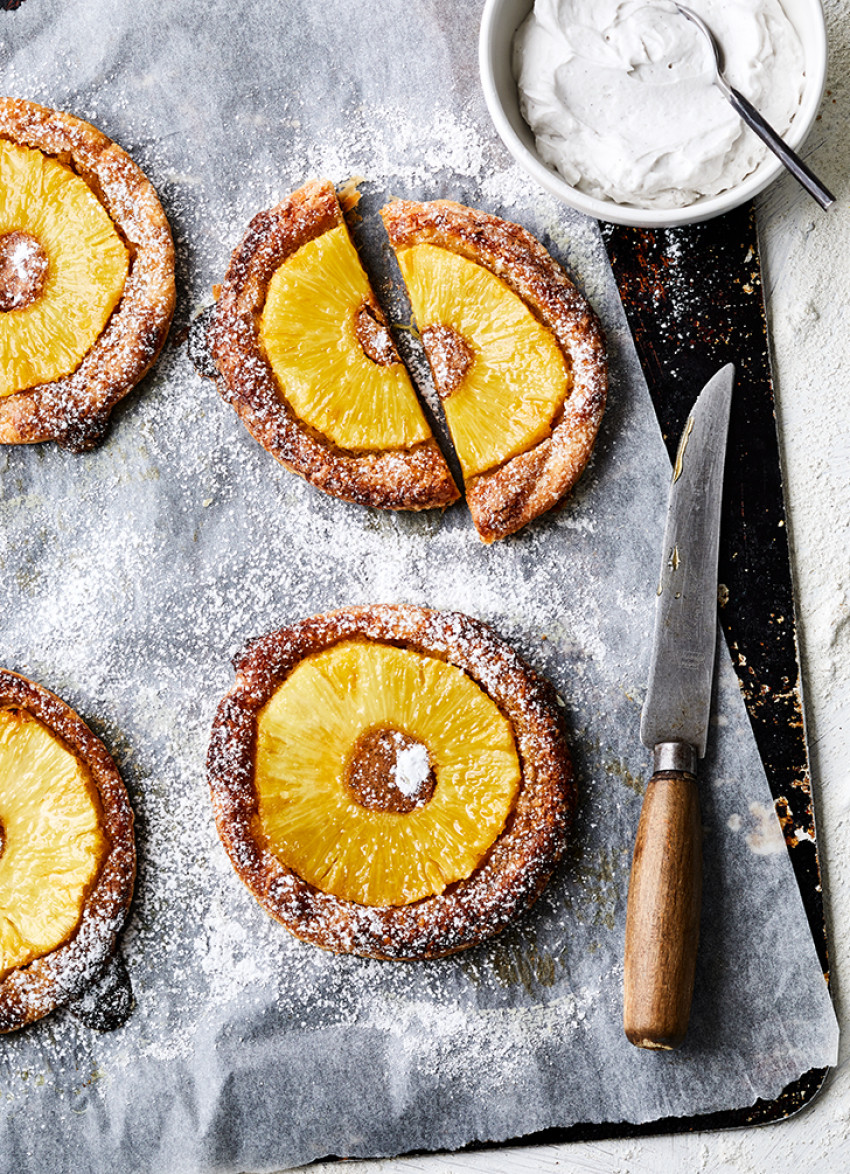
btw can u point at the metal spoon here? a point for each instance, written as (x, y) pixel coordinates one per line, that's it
(755, 121)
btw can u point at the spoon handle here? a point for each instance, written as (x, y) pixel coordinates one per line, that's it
(792, 161)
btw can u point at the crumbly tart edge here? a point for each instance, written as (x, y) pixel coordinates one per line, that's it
(517, 866)
(505, 499)
(30, 992)
(412, 479)
(74, 411)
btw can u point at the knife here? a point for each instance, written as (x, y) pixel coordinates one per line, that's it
(665, 889)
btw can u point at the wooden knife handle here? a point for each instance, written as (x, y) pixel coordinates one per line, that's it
(662, 921)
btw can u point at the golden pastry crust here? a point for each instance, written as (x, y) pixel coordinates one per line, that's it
(30, 992)
(74, 410)
(517, 866)
(504, 499)
(413, 479)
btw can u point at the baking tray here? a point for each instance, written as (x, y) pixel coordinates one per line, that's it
(203, 226)
(693, 299)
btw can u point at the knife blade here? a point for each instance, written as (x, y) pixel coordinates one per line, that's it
(662, 919)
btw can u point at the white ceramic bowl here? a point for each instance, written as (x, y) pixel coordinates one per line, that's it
(500, 21)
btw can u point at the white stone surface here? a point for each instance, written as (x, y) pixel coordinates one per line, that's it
(806, 257)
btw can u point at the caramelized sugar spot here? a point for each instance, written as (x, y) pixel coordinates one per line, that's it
(23, 270)
(450, 356)
(376, 776)
(374, 337)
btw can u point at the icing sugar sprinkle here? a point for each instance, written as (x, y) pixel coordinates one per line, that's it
(411, 769)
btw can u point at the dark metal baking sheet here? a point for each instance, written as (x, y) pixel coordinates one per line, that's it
(142, 566)
(693, 299)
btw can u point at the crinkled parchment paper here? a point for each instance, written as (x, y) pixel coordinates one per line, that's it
(128, 577)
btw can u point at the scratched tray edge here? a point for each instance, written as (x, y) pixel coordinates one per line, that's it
(793, 1099)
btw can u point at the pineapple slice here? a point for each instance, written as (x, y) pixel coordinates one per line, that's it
(47, 213)
(310, 815)
(334, 360)
(51, 843)
(500, 371)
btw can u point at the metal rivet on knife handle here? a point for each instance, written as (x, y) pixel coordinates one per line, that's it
(662, 921)
(677, 757)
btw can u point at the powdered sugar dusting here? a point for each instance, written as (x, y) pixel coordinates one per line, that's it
(411, 769)
(130, 575)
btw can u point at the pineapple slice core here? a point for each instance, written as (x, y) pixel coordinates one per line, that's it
(309, 816)
(312, 332)
(46, 210)
(51, 844)
(508, 396)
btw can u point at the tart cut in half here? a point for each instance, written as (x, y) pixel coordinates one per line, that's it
(67, 854)
(86, 277)
(516, 353)
(305, 356)
(390, 781)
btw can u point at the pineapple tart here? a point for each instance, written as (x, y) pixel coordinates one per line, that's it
(390, 781)
(86, 277)
(305, 357)
(302, 351)
(67, 854)
(516, 353)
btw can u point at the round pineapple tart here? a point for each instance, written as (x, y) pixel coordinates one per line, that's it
(86, 277)
(516, 353)
(517, 356)
(67, 854)
(390, 781)
(305, 357)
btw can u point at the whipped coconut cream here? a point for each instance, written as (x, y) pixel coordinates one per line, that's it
(620, 93)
